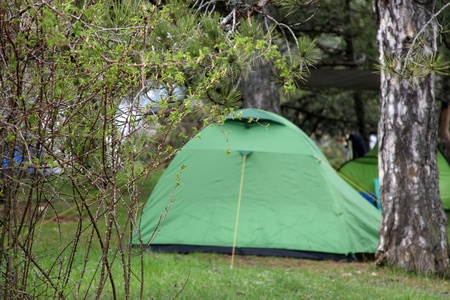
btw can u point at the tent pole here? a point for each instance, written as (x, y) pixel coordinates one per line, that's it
(238, 208)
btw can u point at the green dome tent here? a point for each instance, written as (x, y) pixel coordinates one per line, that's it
(362, 172)
(274, 194)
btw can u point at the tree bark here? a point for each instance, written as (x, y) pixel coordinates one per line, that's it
(444, 120)
(413, 228)
(260, 89)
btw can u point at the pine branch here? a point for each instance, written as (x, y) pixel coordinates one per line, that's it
(421, 31)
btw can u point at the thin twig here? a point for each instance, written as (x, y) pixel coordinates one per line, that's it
(421, 31)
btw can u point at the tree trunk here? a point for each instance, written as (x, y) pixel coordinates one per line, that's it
(360, 112)
(358, 102)
(260, 90)
(413, 228)
(444, 120)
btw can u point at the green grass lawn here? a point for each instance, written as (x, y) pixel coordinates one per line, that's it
(209, 276)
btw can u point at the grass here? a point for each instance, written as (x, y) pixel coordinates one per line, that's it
(209, 276)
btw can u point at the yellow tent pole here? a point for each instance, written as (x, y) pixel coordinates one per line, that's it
(238, 208)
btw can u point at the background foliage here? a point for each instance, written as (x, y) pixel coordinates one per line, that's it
(83, 84)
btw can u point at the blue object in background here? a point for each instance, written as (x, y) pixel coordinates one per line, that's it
(369, 197)
(18, 160)
(377, 192)
(358, 146)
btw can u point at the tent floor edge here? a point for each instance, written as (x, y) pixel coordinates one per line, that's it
(185, 249)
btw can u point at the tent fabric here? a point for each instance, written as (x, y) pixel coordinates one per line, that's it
(361, 172)
(17, 163)
(444, 180)
(291, 199)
